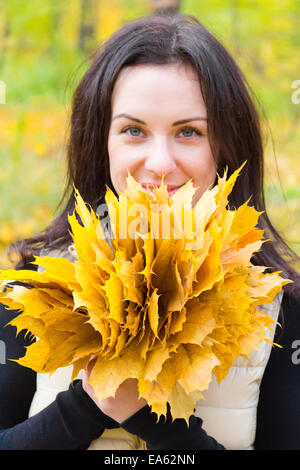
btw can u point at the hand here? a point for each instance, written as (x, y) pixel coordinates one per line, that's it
(125, 403)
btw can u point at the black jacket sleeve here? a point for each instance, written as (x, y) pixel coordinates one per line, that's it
(165, 434)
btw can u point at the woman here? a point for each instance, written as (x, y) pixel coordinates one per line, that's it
(162, 97)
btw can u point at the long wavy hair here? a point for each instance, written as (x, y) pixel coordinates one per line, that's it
(234, 127)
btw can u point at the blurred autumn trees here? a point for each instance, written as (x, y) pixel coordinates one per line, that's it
(47, 39)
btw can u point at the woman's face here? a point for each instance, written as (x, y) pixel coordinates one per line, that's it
(159, 127)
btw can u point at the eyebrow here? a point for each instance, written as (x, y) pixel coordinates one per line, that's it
(182, 121)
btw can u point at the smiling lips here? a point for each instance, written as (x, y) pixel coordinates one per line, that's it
(170, 187)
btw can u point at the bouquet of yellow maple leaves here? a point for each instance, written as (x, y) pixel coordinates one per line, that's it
(167, 303)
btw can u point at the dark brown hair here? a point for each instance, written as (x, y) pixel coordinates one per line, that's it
(234, 126)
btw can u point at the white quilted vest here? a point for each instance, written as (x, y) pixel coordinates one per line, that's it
(228, 409)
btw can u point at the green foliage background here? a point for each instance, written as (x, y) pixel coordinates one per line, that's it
(43, 44)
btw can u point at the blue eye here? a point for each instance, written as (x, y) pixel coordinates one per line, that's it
(132, 128)
(190, 130)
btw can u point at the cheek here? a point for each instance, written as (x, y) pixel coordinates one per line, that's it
(119, 162)
(114, 166)
(112, 149)
(203, 167)
(211, 170)
(203, 173)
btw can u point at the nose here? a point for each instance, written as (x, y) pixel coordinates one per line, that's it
(160, 160)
